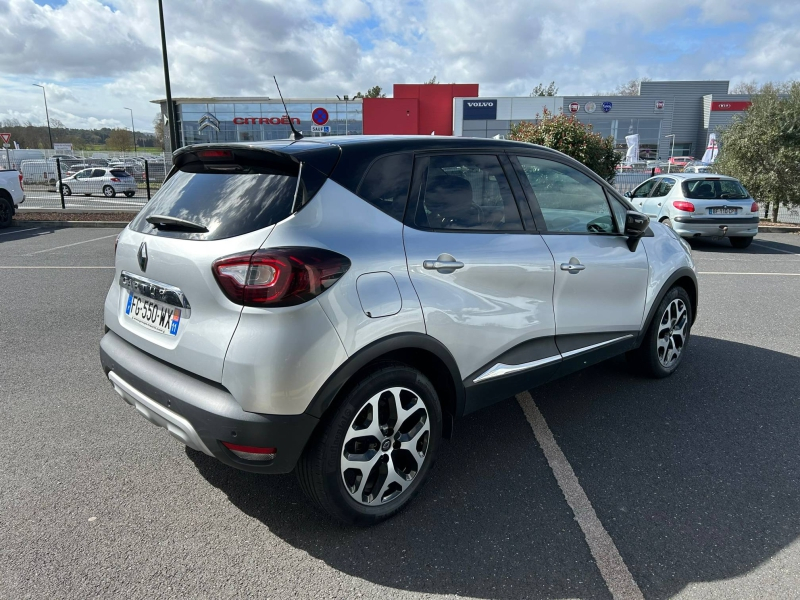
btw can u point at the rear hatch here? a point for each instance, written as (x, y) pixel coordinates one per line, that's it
(718, 197)
(217, 201)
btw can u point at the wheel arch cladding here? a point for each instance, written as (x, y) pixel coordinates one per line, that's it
(419, 351)
(690, 285)
(683, 277)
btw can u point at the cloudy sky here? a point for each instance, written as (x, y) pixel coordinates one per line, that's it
(95, 57)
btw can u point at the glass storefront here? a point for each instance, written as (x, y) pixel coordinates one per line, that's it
(248, 122)
(649, 131)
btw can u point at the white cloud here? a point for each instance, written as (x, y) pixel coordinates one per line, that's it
(97, 57)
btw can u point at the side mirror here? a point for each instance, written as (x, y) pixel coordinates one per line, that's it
(628, 194)
(636, 225)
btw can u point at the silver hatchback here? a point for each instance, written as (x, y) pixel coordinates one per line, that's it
(332, 306)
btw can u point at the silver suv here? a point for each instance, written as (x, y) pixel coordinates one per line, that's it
(332, 306)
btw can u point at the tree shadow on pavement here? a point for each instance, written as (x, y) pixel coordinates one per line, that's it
(696, 478)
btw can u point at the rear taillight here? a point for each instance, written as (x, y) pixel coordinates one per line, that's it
(754, 207)
(278, 276)
(115, 179)
(251, 452)
(683, 205)
(20, 182)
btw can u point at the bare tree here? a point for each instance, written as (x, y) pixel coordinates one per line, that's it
(631, 88)
(541, 90)
(158, 129)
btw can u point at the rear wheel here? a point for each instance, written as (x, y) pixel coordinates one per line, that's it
(6, 212)
(129, 194)
(741, 242)
(665, 342)
(667, 222)
(109, 191)
(66, 189)
(374, 452)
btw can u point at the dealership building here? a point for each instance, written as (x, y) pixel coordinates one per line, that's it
(663, 113)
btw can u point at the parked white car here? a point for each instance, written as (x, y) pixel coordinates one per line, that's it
(699, 206)
(100, 180)
(11, 195)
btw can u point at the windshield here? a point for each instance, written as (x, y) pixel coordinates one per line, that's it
(711, 189)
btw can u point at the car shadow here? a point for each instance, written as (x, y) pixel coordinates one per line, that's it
(14, 232)
(759, 246)
(696, 478)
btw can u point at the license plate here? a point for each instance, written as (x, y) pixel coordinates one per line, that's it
(723, 211)
(154, 315)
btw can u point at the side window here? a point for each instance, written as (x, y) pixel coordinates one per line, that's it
(467, 192)
(84, 174)
(569, 200)
(643, 191)
(98, 173)
(620, 212)
(385, 185)
(664, 187)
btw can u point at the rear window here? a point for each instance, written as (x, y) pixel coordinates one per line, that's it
(119, 173)
(713, 189)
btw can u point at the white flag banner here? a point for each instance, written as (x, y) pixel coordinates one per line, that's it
(712, 149)
(632, 155)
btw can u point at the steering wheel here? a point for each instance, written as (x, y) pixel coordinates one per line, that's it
(594, 228)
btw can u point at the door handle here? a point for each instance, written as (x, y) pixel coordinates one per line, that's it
(572, 267)
(442, 264)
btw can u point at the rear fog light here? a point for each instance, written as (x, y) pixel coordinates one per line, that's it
(251, 452)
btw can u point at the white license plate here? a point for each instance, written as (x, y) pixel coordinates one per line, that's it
(723, 211)
(154, 315)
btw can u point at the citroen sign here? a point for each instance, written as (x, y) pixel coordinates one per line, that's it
(208, 120)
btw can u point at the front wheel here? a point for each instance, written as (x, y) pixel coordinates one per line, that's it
(374, 452)
(665, 342)
(741, 242)
(6, 212)
(109, 191)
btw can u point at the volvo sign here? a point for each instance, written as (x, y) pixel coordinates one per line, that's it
(480, 108)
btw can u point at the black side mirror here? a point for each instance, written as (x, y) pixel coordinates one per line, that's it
(628, 194)
(636, 225)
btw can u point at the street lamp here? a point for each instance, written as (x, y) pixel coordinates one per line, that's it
(173, 131)
(346, 99)
(671, 152)
(132, 129)
(47, 114)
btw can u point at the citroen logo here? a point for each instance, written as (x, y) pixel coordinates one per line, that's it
(142, 257)
(208, 120)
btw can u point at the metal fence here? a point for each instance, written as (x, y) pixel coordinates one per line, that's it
(627, 179)
(91, 183)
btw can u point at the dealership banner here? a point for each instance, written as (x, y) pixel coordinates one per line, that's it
(632, 155)
(712, 149)
(480, 109)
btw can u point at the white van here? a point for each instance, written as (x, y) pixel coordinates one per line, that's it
(39, 172)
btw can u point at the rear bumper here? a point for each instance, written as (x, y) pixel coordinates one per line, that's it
(199, 413)
(713, 227)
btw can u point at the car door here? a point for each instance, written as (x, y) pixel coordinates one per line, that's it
(600, 284)
(96, 181)
(641, 193)
(654, 204)
(484, 280)
(79, 185)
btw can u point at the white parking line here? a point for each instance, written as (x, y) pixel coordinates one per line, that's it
(731, 273)
(615, 573)
(75, 244)
(20, 231)
(776, 249)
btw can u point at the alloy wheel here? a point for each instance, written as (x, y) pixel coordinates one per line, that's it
(385, 446)
(672, 333)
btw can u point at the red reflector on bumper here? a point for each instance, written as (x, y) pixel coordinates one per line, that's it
(251, 452)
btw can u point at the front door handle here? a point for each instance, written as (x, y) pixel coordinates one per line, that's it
(572, 267)
(442, 264)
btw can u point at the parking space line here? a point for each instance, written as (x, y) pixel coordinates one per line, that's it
(733, 273)
(775, 249)
(74, 244)
(20, 231)
(615, 573)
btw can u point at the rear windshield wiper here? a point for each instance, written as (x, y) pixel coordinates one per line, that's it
(174, 223)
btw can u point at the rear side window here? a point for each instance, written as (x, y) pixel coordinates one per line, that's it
(385, 186)
(712, 189)
(664, 187)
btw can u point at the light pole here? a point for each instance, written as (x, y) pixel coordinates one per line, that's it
(671, 152)
(47, 114)
(133, 129)
(346, 99)
(173, 130)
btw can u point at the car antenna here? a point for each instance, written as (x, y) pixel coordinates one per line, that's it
(295, 134)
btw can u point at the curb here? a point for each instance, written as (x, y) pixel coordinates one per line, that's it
(106, 224)
(777, 229)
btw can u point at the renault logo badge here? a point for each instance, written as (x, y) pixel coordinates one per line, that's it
(142, 257)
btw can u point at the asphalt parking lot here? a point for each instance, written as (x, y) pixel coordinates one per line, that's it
(695, 479)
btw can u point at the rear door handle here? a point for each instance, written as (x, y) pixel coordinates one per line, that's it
(442, 264)
(572, 267)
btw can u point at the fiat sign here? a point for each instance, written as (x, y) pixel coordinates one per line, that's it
(574, 107)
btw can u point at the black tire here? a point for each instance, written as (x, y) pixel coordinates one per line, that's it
(129, 194)
(647, 358)
(320, 470)
(667, 222)
(741, 242)
(66, 189)
(109, 191)
(6, 212)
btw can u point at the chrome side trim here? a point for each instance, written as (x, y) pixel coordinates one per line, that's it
(501, 369)
(593, 346)
(150, 288)
(176, 425)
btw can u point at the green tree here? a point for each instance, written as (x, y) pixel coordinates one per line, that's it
(431, 80)
(158, 129)
(568, 135)
(373, 92)
(762, 147)
(120, 139)
(542, 90)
